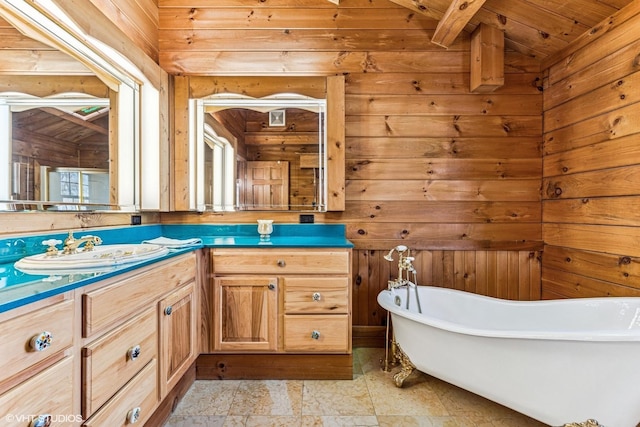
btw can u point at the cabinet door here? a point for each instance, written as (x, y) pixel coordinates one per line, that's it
(178, 335)
(245, 313)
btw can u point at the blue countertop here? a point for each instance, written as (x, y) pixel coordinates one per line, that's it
(18, 288)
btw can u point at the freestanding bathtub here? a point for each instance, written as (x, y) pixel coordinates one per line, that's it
(561, 361)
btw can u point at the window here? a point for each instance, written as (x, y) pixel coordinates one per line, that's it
(219, 171)
(70, 186)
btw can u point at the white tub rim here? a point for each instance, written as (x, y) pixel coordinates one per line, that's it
(604, 335)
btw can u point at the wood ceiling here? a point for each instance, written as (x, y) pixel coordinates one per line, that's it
(58, 127)
(537, 28)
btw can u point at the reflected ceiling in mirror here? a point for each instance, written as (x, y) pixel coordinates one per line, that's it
(264, 154)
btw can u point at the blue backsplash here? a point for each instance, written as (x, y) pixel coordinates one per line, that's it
(12, 249)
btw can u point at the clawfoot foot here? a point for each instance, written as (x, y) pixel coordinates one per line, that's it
(588, 423)
(405, 363)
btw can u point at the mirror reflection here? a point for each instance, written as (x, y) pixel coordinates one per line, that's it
(261, 154)
(68, 121)
(58, 151)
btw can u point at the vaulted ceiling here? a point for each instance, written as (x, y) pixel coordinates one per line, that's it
(537, 28)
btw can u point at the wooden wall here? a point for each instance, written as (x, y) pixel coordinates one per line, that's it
(591, 191)
(453, 174)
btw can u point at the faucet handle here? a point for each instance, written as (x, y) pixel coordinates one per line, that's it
(52, 249)
(91, 241)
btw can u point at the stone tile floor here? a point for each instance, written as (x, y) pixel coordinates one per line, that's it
(370, 399)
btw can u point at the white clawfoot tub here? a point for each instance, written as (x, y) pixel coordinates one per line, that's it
(561, 361)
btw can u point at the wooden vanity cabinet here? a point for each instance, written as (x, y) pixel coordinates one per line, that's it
(245, 313)
(36, 357)
(317, 314)
(282, 300)
(178, 335)
(139, 333)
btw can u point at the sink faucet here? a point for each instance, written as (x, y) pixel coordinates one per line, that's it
(71, 244)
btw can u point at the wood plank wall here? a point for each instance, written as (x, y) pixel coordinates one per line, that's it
(452, 174)
(591, 220)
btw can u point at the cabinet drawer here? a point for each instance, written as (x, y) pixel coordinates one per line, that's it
(111, 361)
(332, 333)
(139, 395)
(49, 392)
(105, 307)
(17, 333)
(316, 295)
(278, 261)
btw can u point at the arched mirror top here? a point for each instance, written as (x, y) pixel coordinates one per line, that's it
(222, 101)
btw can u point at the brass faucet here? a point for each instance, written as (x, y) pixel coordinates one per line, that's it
(71, 244)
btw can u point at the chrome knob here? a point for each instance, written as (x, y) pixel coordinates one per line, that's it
(281, 263)
(315, 335)
(42, 341)
(134, 415)
(316, 296)
(168, 310)
(43, 420)
(134, 352)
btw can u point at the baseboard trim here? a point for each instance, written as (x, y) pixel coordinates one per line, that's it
(220, 366)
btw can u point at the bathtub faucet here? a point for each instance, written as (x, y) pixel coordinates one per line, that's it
(405, 265)
(405, 268)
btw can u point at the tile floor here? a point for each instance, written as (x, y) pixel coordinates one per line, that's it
(370, 399)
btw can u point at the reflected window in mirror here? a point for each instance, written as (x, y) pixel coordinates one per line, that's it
(76, 188)
(219, 161)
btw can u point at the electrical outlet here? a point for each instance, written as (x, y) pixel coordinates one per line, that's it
(307, 219)
(136, 219)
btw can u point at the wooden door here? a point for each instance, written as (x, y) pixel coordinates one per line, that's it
(245, 313)
(267, 185)
(178, 335)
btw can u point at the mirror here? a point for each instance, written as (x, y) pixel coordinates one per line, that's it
(63, 126)
(58, 151)
(265, 154)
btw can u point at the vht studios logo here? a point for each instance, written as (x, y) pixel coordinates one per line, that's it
(43, 420)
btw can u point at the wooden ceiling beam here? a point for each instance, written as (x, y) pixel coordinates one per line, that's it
(454, 20)
(420, 7)
(76, 120)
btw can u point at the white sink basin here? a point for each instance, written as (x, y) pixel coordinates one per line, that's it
(100, 257)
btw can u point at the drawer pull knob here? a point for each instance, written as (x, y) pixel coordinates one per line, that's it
(315, 335)
(281, 263)
(316, 296)
(134, 352)
(41, 421)
(271, 286)
(134, 415)
(42, 341)
(168, 310)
